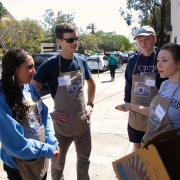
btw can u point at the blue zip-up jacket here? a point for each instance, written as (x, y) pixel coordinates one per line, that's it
(144, 66)
(14, 144)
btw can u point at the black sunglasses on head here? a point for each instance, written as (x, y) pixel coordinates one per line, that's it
(70, 40)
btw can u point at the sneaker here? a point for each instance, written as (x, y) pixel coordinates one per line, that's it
(111, 78)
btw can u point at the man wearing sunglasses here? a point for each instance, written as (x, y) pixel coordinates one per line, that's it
(65, 74)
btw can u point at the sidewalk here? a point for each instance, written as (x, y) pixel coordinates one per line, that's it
(108, 126)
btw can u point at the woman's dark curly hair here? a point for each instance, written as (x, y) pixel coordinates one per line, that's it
(11, 60)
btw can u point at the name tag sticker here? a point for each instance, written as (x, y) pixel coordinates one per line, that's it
(39, 106)
(160, 112)
(150, 82)
(64, 81)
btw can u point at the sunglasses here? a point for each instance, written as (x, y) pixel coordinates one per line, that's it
(70, 40)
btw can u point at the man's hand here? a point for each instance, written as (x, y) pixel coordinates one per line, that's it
(59, 117)
(56, 152)
(88, 111)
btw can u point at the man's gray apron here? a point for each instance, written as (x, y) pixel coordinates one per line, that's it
(33, 169)
(69, 99)
(141, 94)
(156, 123)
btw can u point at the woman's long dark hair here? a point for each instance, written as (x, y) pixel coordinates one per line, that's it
(11, 60)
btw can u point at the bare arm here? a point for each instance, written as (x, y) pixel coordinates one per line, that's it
(36, 84)
(91, 89)
(91, 94)
(128, 106)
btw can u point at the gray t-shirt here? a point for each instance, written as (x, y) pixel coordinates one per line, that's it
(167, 90)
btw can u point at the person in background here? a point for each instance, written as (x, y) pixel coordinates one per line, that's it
(112, 65)
(142, 82)
(65, 74)
(26, 129)
(164, 110)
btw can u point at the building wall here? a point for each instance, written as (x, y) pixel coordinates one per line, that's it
(175, 21)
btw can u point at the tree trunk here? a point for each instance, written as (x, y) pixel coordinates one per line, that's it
(162, 34)
(3, 46)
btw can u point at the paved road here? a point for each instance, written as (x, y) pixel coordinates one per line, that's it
(108, 127)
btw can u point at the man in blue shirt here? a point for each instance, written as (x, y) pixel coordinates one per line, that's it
(65, 74)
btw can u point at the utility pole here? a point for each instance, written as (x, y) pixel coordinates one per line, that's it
(98, 65)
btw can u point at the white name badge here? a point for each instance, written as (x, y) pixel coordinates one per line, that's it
(64, 81)
(39, 106)
(150, 82)
(160, 112)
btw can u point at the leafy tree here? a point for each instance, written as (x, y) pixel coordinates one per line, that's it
(155, 13)
(88, 42)
(32, 33)
(64, 18)
(122, 48)
(92, 27)
(9, 32)
(51, 20)
(25, 34)
(111, 41)
(3, 11)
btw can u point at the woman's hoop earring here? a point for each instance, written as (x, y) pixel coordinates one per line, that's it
(13, 80)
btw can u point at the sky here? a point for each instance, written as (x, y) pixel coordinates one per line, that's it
(104, 13)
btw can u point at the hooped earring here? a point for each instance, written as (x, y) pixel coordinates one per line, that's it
(13, 79)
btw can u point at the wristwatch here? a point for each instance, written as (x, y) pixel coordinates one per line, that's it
(90, 104)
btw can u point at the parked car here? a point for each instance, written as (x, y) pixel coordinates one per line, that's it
(81, 55)
(120, 58)
(99, 54)
(39, 58)
(93, 62)
(125, 57)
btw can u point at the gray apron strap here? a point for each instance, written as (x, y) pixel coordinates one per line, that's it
(70, 100)
(33, 169)
(156, 126)
(141, 94)
(78, 65)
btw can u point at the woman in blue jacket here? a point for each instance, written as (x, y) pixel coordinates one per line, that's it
(112, 66)
(26, 131)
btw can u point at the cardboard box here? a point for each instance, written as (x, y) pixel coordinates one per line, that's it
(159, 159)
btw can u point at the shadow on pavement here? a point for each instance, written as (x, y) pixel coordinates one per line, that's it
(106, 81)
(44, 91)
(96, 72)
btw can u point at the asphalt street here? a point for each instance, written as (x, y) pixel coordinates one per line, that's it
(108, 127)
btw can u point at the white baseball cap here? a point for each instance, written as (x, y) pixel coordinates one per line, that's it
(145, 31)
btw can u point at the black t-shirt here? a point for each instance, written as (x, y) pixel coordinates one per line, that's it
(48, 71)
